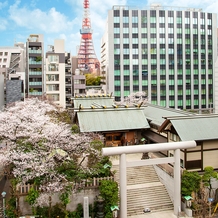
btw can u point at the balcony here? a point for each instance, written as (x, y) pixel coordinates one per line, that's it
(35, 73)
(35, 83)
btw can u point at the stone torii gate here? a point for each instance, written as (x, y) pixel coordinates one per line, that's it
(122, 151)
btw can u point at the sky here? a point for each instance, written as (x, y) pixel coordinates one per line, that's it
(62, 19)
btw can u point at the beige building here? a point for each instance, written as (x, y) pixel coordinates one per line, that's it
(55, 73)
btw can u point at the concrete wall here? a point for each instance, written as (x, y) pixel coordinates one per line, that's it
(75, 199)
(13, 91)
(167, 180)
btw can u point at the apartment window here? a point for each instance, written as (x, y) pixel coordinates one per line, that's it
(53, 87)
(5, 60)
(6, 53)
(53, 67)
(54, 97)
(1, 53)
(52, 77)
(53, 58)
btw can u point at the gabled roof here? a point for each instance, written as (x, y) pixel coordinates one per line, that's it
(196, 127)
(156, 113)
(117, 119)
(87, 101)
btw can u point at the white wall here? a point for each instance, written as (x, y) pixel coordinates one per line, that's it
(1, 91)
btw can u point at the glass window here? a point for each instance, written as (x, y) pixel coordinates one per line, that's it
(188, 102)
(135, 61)
(125, 19)
(117, 82)
(162, 51)
(53, 58)
(180, 103)
(152, 19)
(135, 40)
(117, 72)
(116, 20)
(116, 41)
(135, 51)
(144, 30)
(162, 40)
(116, 51)
(179, 30)
(153, 30)
(171, 103)
(187, 31)
(195, 31)
(125, 30)
(134, 19)
(52, 77)
(153, 40)
(195, 20)
(178, 20)
(179, 82)
(163, 61)
(171, 92)
(171, 82)
(161, 19)
(125, 40)
(125, 51)
(170, 30)
(145, 61)
(195, 91)
(170, 19)
(134, 30)
(187, 20)
(153, 61)
(116, 30)
(126, 72)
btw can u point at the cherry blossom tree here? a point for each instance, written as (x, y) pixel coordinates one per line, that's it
(135, 99)
(37, 146)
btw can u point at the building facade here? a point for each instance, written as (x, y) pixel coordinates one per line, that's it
(35, 65)
(169, 54)
(56, 81)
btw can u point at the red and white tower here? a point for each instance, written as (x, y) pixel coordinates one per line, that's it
(87, 59)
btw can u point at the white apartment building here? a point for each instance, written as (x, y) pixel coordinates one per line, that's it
(55, 73)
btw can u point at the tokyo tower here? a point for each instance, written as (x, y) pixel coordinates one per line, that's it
(87, 59)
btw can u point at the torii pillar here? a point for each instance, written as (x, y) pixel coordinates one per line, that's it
(122, 151)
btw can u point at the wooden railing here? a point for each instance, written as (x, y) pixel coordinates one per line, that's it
(83, 184)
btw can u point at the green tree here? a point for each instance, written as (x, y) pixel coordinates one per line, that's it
(109, 192)
(190, 182)
(209, 173)
(92, 80)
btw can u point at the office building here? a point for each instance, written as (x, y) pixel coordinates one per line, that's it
(169, 53)
(35, 65)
